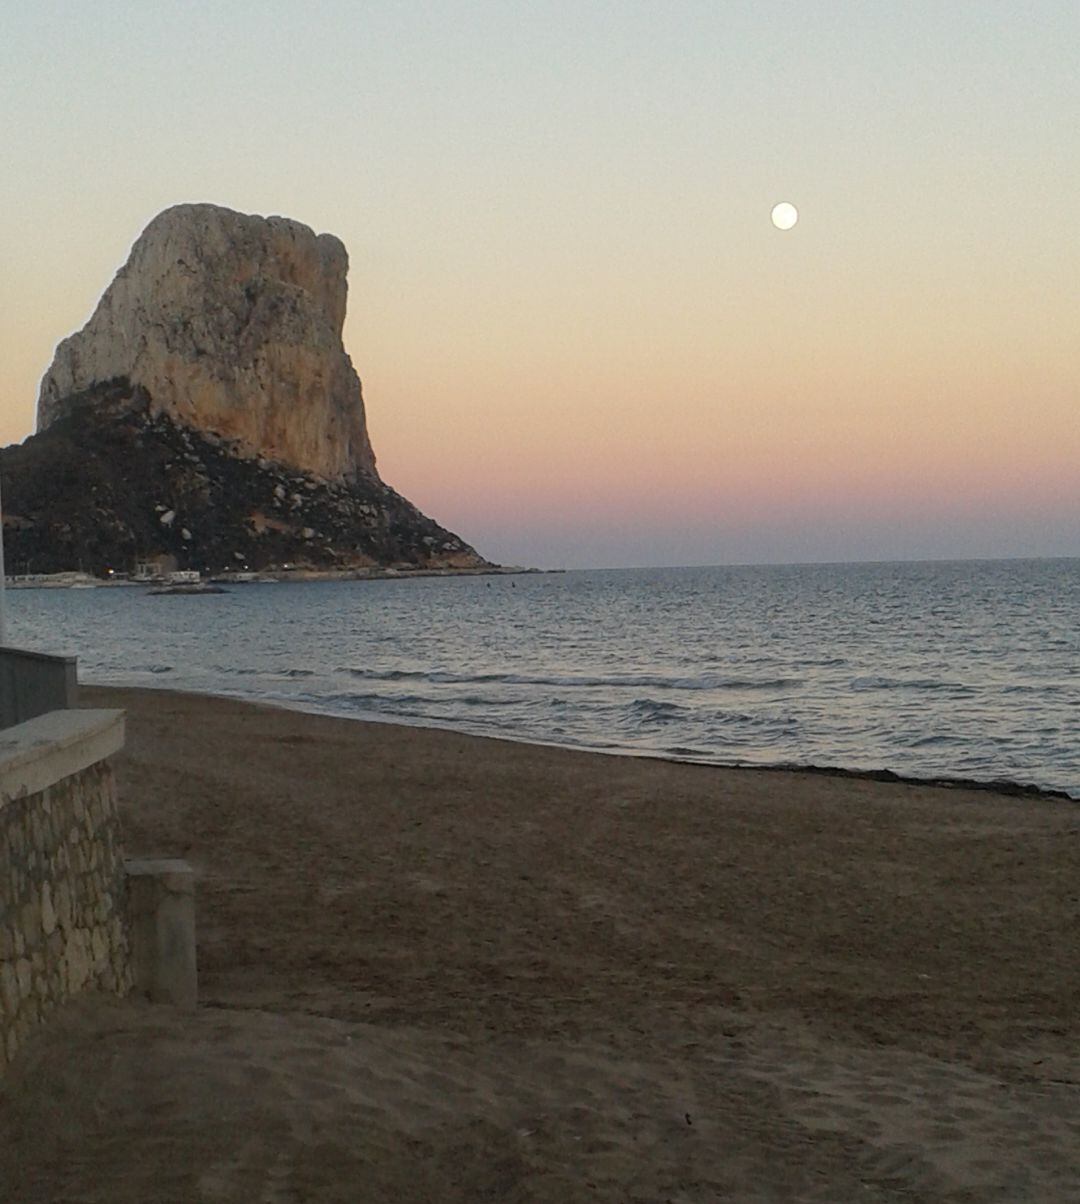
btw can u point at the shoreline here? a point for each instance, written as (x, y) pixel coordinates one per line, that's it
(1005, 787)
(277, 576)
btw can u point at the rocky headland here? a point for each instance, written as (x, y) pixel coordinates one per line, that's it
(208, 417)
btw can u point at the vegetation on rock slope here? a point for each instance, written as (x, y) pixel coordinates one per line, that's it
(110, 484)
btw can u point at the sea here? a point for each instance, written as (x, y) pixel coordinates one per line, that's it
(966, 669)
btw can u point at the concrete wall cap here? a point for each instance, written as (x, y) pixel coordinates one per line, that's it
(30, 655)
(174, 875)
(41, 752)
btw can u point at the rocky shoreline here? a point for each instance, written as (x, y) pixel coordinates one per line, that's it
(406, 573)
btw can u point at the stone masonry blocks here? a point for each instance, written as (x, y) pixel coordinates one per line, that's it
(62, 917)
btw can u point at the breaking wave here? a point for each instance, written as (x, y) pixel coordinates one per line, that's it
(630, 681)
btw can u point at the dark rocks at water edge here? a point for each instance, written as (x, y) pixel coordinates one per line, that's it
(109, 484)
(208, 417)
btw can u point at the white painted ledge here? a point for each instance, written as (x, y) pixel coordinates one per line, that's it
(39, 753)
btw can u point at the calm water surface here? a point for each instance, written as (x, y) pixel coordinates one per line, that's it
(968, 669)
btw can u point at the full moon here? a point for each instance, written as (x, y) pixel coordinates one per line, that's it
(784, 216)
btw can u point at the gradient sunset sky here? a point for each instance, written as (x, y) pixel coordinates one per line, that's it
(581, 340)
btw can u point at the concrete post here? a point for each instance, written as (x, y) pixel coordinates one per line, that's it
(161, 909)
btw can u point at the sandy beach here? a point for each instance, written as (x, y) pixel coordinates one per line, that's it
(436, 967)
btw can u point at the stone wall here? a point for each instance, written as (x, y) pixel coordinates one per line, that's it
(63, 924)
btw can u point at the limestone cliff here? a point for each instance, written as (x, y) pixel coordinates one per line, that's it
(230, 324)
(208, 417)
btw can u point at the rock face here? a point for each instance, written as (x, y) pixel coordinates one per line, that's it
(230, 324)
(207, 417)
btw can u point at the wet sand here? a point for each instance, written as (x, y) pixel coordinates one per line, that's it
(443, 968)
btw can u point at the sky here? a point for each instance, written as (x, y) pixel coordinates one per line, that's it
(582, 341)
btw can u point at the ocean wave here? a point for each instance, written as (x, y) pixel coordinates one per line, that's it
(435, 704)
(1040, 690)
(646, 681)
(652, 710)
(873, 682)
(267, 670)
(930, 741)
(741, 719)
(404, 705)
(681, 752)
